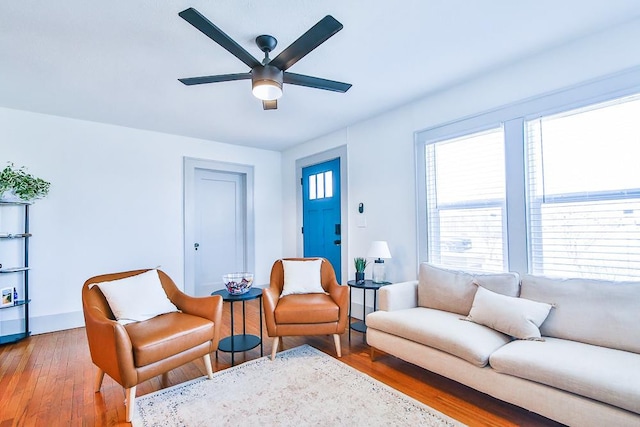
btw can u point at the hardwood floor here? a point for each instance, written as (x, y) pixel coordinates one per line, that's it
(47, 380)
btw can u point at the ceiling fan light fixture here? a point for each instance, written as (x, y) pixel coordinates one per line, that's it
(266, 82)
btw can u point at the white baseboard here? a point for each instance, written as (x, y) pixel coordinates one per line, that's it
(56, 322)
(356, 310)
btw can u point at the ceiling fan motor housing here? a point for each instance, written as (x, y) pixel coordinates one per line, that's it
(266, 82)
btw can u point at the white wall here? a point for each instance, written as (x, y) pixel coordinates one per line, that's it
(116, 203)
(381, 157)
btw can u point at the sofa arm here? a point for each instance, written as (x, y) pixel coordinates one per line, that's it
(398, 296)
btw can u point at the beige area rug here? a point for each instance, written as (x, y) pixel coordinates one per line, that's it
(301, 387)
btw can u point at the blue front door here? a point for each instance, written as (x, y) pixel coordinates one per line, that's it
(321, 212)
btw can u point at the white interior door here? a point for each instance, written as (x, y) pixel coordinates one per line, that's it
(219, 228)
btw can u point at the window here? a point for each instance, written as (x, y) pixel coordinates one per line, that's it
(321, 185)
(553, 187)
(466, 201)
(584, 192)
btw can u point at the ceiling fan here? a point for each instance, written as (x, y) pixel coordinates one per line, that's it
(268, 76)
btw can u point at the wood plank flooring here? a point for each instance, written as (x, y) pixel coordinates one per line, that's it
(47, 380)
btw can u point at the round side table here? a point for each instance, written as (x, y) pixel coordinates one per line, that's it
(242, 342)
(367, 284)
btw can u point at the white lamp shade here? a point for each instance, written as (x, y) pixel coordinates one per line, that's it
(379, 249)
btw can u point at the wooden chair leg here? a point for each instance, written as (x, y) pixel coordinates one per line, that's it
(336, 340)
(130, 394)
(274, 348)
(207, 364)
(99, 378)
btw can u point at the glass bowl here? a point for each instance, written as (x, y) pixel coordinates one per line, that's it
(238, 283)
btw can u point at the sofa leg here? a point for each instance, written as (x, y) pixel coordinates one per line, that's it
(336, 340)
(207, 364)
(99, 378)
(130, 394)
(375, 353)
(274, 348)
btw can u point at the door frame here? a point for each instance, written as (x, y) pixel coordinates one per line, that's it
(334, 153)
(190, 165)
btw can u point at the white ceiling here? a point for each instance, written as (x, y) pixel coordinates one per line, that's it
(118, 61)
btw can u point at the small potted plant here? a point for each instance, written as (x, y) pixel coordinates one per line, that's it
(361, 264)
(17, 185)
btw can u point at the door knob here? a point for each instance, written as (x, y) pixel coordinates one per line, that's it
(196, 246)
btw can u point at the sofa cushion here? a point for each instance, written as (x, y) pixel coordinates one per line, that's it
(518, 317)
(604, 374)
(159, 338)
(441, 330)
(592, 311)
(453, 291)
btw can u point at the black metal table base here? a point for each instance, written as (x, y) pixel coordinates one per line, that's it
(237, 343)
(359, 326)
(243, 342)
(364, 286)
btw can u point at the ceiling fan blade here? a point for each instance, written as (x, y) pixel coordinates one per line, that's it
(310, 40)
(194, 18)
(270, 105)
(215, 79)
(315, 82)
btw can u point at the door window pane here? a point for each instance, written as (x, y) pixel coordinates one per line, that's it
(312, 187)
(328, 184)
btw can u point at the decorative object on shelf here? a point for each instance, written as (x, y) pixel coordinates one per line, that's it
(15, 296)
(7, 297)
(17, 185)
(378, 249)
(238, 283)
(361, 264)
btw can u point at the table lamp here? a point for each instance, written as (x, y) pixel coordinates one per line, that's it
(378, 249)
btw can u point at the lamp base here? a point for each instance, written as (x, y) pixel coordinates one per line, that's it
(378, 271)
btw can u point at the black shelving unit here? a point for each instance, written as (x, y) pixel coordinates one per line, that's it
(23, 270)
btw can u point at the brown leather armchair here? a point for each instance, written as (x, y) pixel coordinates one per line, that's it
(136, 352)
(305, 314)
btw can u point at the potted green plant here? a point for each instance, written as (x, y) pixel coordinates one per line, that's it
(16, 184)
(360, 264)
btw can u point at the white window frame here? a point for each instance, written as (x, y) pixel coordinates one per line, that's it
(430, 172)
(512, 118)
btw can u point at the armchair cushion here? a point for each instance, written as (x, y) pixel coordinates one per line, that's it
(302, 277)
(136, 298)
(305, 309)
(166, 335)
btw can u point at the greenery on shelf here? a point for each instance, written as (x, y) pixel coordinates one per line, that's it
(361, 264)
(24, 185)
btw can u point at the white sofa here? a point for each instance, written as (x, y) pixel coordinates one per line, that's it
(584, 370)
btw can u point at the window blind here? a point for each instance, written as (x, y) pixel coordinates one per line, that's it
(583, 180)
(465, 188)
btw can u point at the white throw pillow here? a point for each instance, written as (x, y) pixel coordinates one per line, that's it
(301, 277)
(521, 318)
(136, 298)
